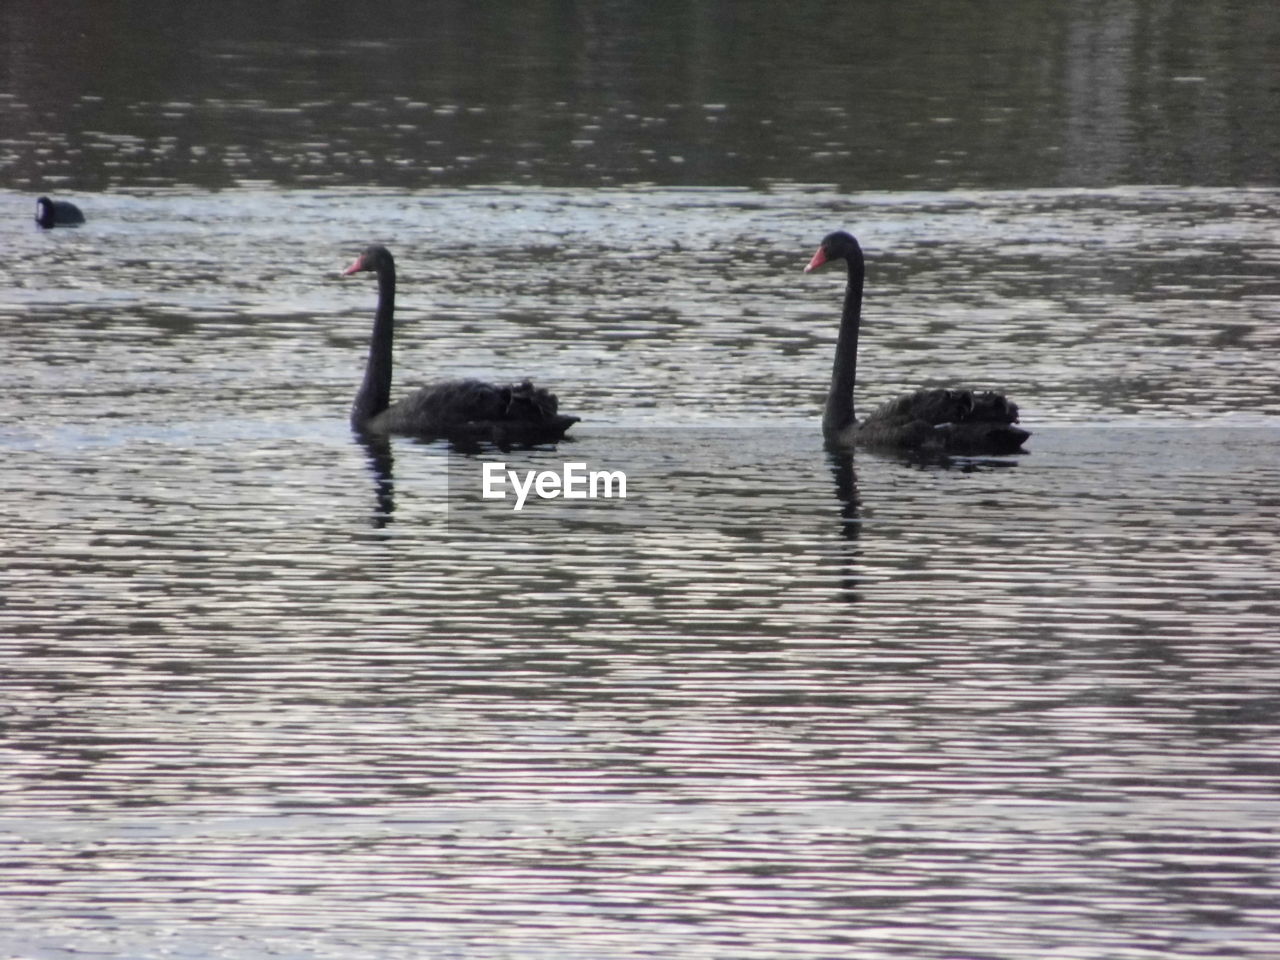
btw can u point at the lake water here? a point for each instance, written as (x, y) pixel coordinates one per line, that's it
(272, 692)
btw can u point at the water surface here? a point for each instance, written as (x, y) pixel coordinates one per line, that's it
(271, 692)
(1028, 94)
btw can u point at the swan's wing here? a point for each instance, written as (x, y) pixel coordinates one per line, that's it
(954, 421)
(937, 407)
(467, 407)
(437, 406)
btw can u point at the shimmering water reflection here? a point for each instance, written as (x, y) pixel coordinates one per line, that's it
(269, 692)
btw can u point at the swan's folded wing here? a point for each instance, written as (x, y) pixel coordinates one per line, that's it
(476, 409)
(438, 407)
(936, 407)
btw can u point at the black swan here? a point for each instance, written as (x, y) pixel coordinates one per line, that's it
(57, 213)
(454, 409)
(930, 421)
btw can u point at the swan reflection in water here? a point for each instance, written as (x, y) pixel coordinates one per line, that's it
(841, 461)
(846, 478)
(377, 451)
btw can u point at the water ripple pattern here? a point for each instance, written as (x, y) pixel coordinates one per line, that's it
(272, 693)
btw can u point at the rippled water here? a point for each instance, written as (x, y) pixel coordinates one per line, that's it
(867, 95)
(271, 693)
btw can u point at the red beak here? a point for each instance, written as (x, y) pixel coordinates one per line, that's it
(355, 267)
(818, 260)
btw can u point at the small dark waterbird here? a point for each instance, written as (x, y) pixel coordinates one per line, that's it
(57, 213)
(463, 410)
(931, 421)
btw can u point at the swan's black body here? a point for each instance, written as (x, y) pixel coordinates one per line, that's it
(456, 409)
(944, 421)
(57, 213)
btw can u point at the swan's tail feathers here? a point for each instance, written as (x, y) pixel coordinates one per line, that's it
(531, 415)
(982, 438)
(985, 424)
(527, 421)
(537, 405)
(562, 421)
(990, 407)
(527, 402)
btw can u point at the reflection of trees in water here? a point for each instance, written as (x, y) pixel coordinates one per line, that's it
(924, 95)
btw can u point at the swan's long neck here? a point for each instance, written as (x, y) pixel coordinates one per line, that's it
(839, 412)
(374, 395)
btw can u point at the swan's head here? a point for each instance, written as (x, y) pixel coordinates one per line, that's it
(375, 257)
(836, 246)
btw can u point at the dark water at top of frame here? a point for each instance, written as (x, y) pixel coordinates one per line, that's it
(270, 692)
(98, 95)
